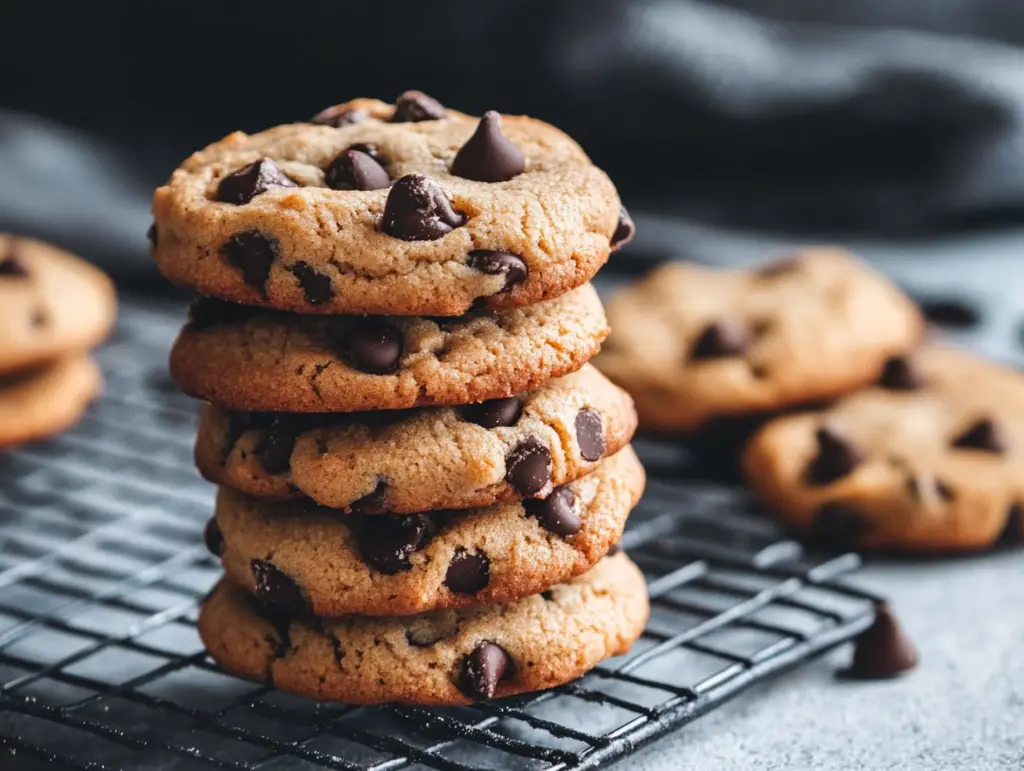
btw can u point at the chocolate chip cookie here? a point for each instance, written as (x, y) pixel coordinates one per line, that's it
(250, 359)
(692, 343)
(51, 304)
(404, 564)
(931, 458)
(41, 401)
(388, 215)
(432, 458)
(447, 657)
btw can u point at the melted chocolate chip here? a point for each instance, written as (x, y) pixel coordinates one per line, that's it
(252, 253)
(374, 502)
(883, 650)
(354, 170)
(206, 312)
(590, 434)
(499, 263)
(721, 339)
(836, 458)
(11, 265)
(624, 231)
(468, 573)
(153, 236)
(275, 451)
(614, 549)
(415, 106)
(900, 374)
(276, 590)
(281, 622)
(557, 512)
(315, 285)
(529, 466)
(488, 156)
(373, 345)
(1013, 530)
(950, 313)
(213, 537)
(483, 669)
(495, 413)
(983, 435)
(838, 526)
(417, 209)
(240, 187)
(339, 115)
(386, 540)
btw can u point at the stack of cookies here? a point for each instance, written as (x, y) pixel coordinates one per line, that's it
(420, 475)
(53, 308)
(857, 435)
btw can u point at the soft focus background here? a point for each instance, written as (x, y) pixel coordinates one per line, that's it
(866, 120)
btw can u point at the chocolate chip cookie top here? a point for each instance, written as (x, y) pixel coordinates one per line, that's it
(420, 213)
(51, 303)
(46, 399)
(401, 564)
(930, 460)
(447, 657)
(266, 361)
(692, 343)
(430, 458)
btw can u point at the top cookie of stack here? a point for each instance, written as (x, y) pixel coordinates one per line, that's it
(407, 209)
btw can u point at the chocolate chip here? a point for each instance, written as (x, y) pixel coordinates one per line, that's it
(483, 669)
(468, 573)
(614, 549)
(153, 236)
(368, 148)
(374, 502)
(276, 590)
(900, 374)
(556, 512)
(838, 526)
(883, 650)
(529, 466)
(497, 263)
(213, 537)
(417, 209)
(982, 435)
(1013, 530)
(281, 622)
(950, 313)
(495, 413)
(488, 156)
(373, 345)
(721, 339)
(547, 595)
(11, 265)
(238, 423)
(387, 540)
(353, 170)
(252, 253)
(415, 106)
(339, 115)
(275, 451)
(836, 458)
(315, 285)
(240, 187)
(624, 231)
(590, 434)
(206, 312)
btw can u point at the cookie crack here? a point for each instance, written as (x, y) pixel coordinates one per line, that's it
(320, 369)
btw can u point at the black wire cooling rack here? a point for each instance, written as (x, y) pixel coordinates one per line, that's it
(102, 566)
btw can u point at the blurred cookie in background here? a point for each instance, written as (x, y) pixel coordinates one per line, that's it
(53, 308)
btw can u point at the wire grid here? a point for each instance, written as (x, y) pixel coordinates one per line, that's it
(102, 566)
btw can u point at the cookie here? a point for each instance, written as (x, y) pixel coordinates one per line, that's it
(414, 460)
(51, 304)
(387, 215)
(266, 361)
(405, 564)
(447, 657)
(931, 458)
(693, 343)
(45, 400)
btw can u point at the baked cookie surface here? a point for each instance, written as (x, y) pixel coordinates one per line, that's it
(266, 361)
(692, 343)
(388, 213)
(47, 399)
(931, 459)
(335, 565)
(448, 657)
(51, 303)
(405, 461)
